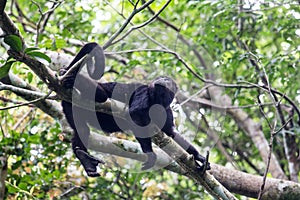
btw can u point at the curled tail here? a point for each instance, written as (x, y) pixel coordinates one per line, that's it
(92, 56)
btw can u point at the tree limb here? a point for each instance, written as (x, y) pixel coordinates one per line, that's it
(236, 181)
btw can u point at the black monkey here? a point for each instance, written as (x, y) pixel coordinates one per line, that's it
(140, 99)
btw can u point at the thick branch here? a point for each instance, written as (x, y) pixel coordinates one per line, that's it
(7, 25)
(50, 107)
(234, 180)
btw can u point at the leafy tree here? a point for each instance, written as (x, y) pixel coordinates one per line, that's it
(236, 64)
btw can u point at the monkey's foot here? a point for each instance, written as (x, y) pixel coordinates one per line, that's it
(68, 81)
(202, 168)
(204, 165)
(88, 162)
(151, 158)
(204, 161)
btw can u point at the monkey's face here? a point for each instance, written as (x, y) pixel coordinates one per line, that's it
(163, 90)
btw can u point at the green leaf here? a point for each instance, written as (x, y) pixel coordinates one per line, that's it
(29, 77)
(38, 54)
(14, 42)
(12, 189)
(5, 69)
(30, 49)
(60, 43)
(23, 186)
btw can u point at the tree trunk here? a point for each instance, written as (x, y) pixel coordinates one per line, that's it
(3, 174)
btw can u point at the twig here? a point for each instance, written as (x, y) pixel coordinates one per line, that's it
(265, 79)
(170, 52)
(6, 100)
(269, 154)
(22, 18)
(70, 191)
(196, 94)
(22, 119)
(142, 24)
(208, 103)
(283, 126)
(208, 81)
(50, 11)
(22, 91)
(206, 163)
(127, 21)
(21, 190)
(172, 26)
(27, 103)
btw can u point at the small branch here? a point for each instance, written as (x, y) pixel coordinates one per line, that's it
(22, 119)
(7, 100)
(209, 103)
(283, 126)
(195, 95)
(262, 187)
(21, 190)
(170, 52)
(52, 108)
(127, 21)
(143, 24)
(71, 192)
(22, 15)
(204, 127)
(24, 92)
(185, 41)
(49, 12)
(208, 81)
(28, 103)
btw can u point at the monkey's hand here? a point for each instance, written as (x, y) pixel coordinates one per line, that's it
(88, 162)
(69, 79)
(204, 161)
(151, 158)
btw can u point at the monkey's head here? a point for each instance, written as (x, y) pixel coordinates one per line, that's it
(162, 90)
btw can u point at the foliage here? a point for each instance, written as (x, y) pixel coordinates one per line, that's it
(41, 166)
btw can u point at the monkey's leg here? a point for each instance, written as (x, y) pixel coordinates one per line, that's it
(146, 146)
(80, 140)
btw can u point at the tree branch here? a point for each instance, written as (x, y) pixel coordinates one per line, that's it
(142, 24)
(238, 182)
(127, 21)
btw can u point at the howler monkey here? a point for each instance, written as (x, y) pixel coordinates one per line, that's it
(147, 103)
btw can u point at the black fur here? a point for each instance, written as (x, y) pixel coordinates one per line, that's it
(140, 99)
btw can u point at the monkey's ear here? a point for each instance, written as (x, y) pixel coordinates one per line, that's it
(95, 60)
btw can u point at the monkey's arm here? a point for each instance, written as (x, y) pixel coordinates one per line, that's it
(186, 145)
(170, 129)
